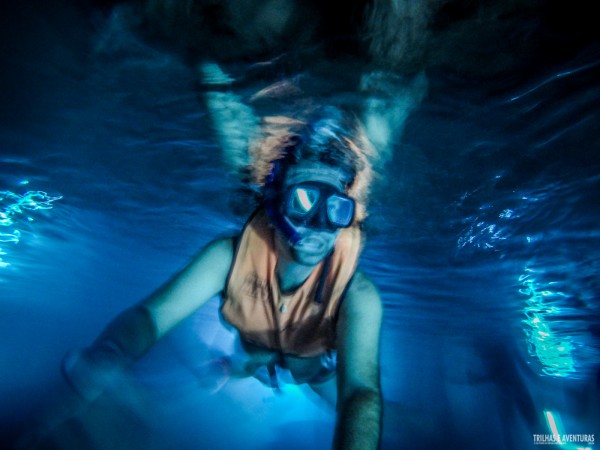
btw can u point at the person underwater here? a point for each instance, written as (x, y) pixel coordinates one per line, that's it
(289, 282)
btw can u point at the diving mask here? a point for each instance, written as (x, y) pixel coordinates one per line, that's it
(317, 205)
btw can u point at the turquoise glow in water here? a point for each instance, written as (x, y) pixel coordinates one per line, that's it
(554, 352)
(14, 207)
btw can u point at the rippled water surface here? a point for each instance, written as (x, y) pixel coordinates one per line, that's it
(483, 238)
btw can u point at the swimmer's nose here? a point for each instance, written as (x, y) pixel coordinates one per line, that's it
(320, 221)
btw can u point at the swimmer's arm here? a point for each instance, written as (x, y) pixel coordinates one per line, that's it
(91, 371)
(359, 392)
(201, 280)
(132, 333)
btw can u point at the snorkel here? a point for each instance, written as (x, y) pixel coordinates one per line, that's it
(273, 210)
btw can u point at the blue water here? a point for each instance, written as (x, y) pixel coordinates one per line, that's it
(483, 238)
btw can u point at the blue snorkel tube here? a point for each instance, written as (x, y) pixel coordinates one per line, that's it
(272, 207)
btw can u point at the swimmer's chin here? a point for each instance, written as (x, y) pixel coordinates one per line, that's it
(308, 259)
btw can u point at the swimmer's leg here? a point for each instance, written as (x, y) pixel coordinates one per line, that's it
(398, 31)
(389, 100)
(234, 122)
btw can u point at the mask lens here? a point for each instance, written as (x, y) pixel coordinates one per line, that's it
(302, 201)
(340, 210)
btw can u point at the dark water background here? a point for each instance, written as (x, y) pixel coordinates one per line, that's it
(485, 217)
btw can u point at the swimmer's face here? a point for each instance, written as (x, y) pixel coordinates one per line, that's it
(317, 236)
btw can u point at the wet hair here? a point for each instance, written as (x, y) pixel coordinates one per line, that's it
(326, 135)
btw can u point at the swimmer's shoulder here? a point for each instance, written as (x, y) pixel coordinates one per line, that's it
(362, 296)
(221, 249)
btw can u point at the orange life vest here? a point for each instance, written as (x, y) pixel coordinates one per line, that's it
(301, 322)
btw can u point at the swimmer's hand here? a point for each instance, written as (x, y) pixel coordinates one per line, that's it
(90, 372)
